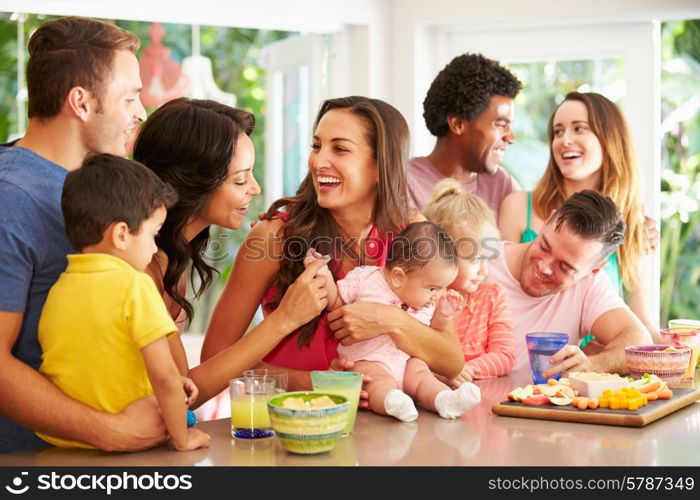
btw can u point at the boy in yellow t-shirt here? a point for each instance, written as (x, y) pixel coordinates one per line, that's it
(103, 328)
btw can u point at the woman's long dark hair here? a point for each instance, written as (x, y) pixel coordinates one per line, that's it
(388, 135)
(189, 143)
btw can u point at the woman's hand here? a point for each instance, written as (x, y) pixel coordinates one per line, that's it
(261, 216)
(312, 256)
(652, 235)
(361, 321)
(306, 297)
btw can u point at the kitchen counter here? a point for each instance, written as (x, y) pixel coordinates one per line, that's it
(478, 438)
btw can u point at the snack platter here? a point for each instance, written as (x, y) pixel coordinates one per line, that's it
(649, 411)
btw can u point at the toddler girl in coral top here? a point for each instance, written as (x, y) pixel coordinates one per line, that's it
(484, 327)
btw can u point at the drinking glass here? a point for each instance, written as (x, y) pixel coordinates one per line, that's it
(346, 384)
(541, 346)
(279, 376)
(683, 336)
(249, 416)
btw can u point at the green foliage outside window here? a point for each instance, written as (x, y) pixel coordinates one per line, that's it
(234, 54)
(680, 184)
(546, 84)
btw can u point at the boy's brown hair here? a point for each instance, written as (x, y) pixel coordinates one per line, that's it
(107, 189)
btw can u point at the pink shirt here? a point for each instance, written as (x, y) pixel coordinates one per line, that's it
(485, 330)
(492, 189)
(367, 284)
(318, 354)
(572, 311)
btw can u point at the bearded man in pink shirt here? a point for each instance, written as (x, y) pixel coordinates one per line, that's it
(554, 284)
(469, 109)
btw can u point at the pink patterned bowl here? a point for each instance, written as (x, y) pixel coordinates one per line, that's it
(652, 359)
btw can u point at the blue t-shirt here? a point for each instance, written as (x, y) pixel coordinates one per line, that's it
(33, 249)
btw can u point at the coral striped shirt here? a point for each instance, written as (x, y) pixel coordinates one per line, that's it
(485, 330)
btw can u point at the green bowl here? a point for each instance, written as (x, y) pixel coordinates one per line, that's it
(308, 431)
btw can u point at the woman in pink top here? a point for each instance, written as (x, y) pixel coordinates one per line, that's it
(484, 328)
(349, 205)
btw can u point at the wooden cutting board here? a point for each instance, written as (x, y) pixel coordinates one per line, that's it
(639, 418)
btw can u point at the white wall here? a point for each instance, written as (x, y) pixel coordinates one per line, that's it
(401, 33)
(366, 23)
(288, 15)
(400, 46)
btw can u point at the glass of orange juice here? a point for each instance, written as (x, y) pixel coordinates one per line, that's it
(688, 336)
(249, 416)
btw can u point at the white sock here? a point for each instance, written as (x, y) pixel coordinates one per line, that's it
(398, 404)
(452, 404)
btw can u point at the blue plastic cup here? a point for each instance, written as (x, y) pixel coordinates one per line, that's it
(541, 346)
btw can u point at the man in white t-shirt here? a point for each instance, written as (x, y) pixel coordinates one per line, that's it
(554, 284)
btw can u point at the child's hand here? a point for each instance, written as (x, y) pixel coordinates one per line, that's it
(450, 304)
(312, 256)
(195, 439)
(191, 391)
(466, 375)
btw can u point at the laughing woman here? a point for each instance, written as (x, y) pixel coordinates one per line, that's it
(351, 203)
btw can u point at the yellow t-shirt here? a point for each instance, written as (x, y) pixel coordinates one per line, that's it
(97, 317)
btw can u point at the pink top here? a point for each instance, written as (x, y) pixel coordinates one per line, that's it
(571, 311)
(485, 330)
(422, 177)
(318, 354)
(367, 284)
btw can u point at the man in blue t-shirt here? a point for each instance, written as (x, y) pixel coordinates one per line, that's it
(84, 84)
